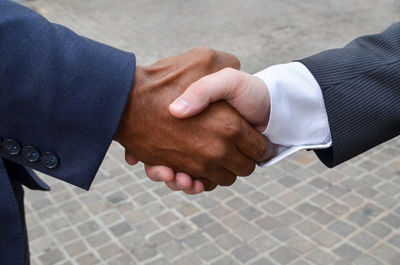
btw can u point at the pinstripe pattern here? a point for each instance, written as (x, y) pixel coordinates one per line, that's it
(361, 89)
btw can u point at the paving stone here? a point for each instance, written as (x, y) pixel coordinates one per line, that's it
(308, 228)
(233, 221)
(358, 217)
(98, 239)
(120, 229)
(288, 218)
(88, 228)
(283, 233)
(395, 240)
(392, 220)
(172, 250)
(367, 192)
(244, 253)
(250, 213)
(305, 190)
(385, 253)
(336, 191)
(366, 260)
(321, 200)
(347, 252)
(236, 203)
(110, 250)
(319, 183)
(188, 259)
(301, 245)
(208, 202)
(117, 197)
(372, 210)
(326, 238)
(202, 220)
(341, 228)
(273, 189)
(386, 201)
(220, 211)
(322, 217)
(257, 197)
(283, 255)
(364, 240)
(227, 260)
(51, 257)
(290, 198)
(159, 261)
(215, 230)
(160, 238)
(379, 230)
(146, 227)
(41, 204)
(338, 209)
(145, 251)
(273, 207)
(306, 208)
(37, 232)
(288, 181)
(187, 209)
(208, 252)
(195, 239)
(87, 259)
(267, 223)
(320, 257)
(180, 229)
(136, 216)
(75, 248)
(263, 243)
(228, 241)
(262, 261)
(247, 232)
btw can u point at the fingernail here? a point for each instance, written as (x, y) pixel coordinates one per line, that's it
(180, 105)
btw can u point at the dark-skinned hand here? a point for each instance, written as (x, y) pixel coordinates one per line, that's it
(214, 146)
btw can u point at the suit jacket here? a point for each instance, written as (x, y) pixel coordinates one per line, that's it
(61, 100)
(361, 89)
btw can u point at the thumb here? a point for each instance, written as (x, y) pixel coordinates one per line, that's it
(208, 89)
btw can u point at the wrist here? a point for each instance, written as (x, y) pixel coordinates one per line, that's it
(138, 82)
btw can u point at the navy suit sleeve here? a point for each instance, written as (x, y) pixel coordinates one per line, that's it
(361, 89)
(59, 93)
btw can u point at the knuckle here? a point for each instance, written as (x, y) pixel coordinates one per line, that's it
(260, 150)
(218, 152)
(231, 127)
(248, 169)
(228, 180)
(207, 54)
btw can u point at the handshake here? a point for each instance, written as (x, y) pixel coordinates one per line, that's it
(195, 121)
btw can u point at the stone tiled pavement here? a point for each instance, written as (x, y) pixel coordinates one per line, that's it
(296, 212)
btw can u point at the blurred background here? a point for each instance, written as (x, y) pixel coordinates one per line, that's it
(296, 212)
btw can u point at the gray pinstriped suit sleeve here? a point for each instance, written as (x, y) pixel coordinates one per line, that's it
(361, 89)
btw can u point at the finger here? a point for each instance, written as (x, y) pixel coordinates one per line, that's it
(218, 59)
(159, 173)
(253, 144)
(222, 177)
(130, 159)
(197, 188)
(225, 59)
(208, 89)
(172, 186)
(183, 181)
(239, 164)
(208, 184)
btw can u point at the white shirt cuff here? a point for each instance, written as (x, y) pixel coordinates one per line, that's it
(298, 118)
